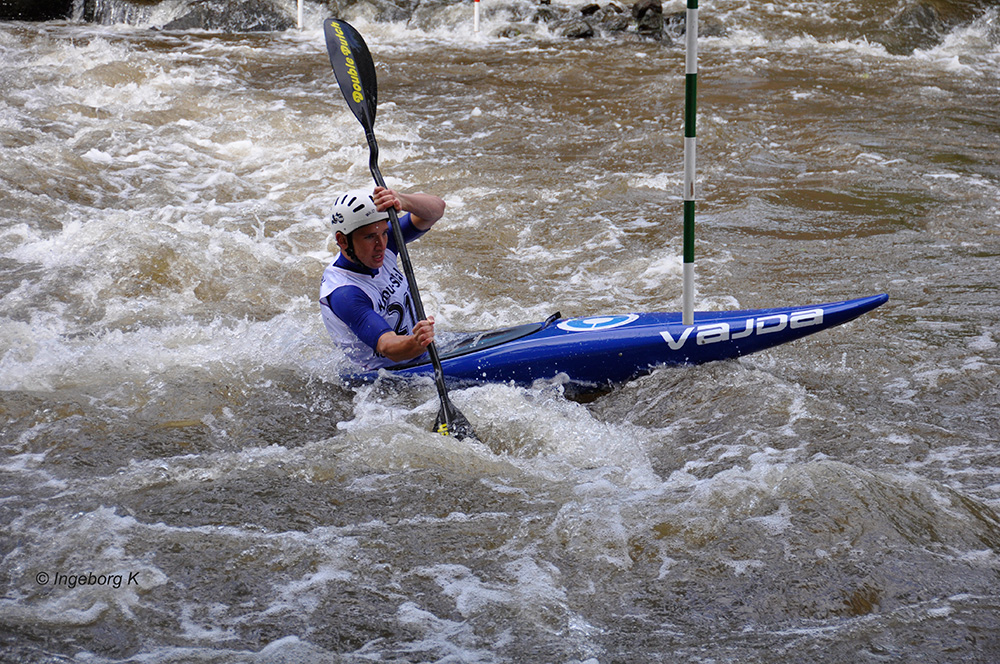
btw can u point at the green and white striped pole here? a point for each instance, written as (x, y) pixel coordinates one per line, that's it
(690, 114)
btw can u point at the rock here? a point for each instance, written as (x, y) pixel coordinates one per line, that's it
(35, 10)
(648, 15)
(615, 22)
(916, 26)
(923, 23)
(548, 13)
(612, 17)
(578, 29)
(232, 16)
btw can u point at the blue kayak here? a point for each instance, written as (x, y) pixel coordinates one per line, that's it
(601, 351)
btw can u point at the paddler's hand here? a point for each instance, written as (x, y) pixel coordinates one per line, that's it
(385, 199)
(400, 348)
(423, 332)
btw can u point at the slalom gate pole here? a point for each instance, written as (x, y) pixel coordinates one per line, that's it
(690, 116)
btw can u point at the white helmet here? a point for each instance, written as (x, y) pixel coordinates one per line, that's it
(353, 210)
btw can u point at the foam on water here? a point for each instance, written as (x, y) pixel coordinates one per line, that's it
(163, 235)
(90, 578)
(174, 404)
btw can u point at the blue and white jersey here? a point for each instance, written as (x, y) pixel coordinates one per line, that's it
(369, 303)
(389, 294)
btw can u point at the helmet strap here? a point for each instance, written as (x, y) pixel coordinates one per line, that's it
(350, 248)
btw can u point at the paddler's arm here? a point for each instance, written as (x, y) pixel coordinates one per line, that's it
(424, 209)
(400, 348)
(353, 307)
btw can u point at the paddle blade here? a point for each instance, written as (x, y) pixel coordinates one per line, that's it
(452, 422)
(354, 68)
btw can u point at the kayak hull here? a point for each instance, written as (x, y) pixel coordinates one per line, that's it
(601, 351)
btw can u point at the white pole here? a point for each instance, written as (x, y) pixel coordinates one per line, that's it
(300, 14)
(475, 20)
(690, 92)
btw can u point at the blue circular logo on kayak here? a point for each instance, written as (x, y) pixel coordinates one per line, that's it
(593, 323)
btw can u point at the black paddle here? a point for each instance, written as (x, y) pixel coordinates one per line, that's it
(355, 70)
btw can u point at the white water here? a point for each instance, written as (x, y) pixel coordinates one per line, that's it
(171, 406)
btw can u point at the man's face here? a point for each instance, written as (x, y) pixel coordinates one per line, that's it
(369, 243)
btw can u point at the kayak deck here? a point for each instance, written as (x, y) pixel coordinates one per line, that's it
(604, 350)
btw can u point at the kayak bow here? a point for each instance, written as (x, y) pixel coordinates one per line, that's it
(600, 351)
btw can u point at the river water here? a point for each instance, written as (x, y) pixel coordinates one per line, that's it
(185, 478)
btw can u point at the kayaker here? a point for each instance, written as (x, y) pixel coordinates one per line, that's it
(364, 297)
